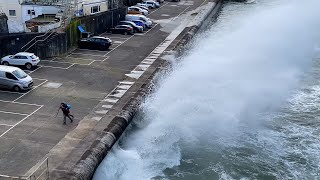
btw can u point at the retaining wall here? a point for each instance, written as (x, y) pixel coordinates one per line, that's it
(12, 43)
(91, 159)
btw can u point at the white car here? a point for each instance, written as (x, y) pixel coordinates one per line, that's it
(149, 5)
(143, 6)
(26, 59)
(154, 3)
(135, 8)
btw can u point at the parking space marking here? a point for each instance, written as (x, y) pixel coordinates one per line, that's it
(21, 121)
(118, 45)
(5, 125)
(181, 13)
(11, 92)
(158, 8)
(87, 52)
(141, 34)
(84, 54)
(74, 61)
(20, 103)
(7, 112)
(35, 87)
(30, 72)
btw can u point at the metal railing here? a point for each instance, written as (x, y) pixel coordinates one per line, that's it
(37, 39)
(40, 173)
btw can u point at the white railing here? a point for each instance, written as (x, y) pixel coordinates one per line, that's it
(35, 39)
(40, 40)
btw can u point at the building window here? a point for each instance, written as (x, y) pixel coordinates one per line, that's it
(31, 12)
(12, 13)
(95, 9)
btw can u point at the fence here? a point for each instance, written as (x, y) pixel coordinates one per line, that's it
(40, 173)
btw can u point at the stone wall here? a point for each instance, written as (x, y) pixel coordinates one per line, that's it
(12, 43)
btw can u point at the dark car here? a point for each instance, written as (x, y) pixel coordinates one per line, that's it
(122, 29)
(140, 23)
(136, 28)
(95, 42)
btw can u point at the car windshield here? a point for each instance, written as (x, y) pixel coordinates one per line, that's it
(33, 56)
(19, 74)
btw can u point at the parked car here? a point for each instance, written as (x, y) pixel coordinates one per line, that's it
(160, 1)
(147, 21)
(95, 42)
(26, 59)
(135, 12)
(144, 6)
(122, 29)
(138, 9)
(136, 28)
(154, 3)
(140, 23)
(150, 6)
(14, 78)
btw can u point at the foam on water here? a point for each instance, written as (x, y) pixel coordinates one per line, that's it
(222, 111)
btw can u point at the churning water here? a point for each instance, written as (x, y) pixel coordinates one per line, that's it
(243, 103)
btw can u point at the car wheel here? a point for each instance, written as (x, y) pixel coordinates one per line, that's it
(28, 66)
(5, 63)
(16, 88)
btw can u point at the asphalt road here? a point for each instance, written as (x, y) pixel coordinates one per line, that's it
(29, 127)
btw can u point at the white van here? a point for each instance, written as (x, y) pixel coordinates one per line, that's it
(133, 17)
(14, 78)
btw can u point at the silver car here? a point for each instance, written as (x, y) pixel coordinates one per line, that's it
(14, 78)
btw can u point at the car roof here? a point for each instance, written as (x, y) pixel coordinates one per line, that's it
(25, 54)
(99, 37)
(8, 68)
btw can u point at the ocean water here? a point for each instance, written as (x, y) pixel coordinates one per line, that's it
(242, 103)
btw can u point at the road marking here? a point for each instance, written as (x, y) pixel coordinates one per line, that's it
(20, 103)
(7, 112)
(5, 125)
(86, 54)
(203, 3)
(180, 13)
(141, 34)
(54, 67)
(61, 62)
(90, 63)
(158, 8)
(30, 72)
(119, 45)
(11, 92)
(30, 91)
(39, 79)
(21, 121)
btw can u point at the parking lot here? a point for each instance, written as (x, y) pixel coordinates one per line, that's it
(29, 124)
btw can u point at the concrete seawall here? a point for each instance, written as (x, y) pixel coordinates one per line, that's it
(107, 137)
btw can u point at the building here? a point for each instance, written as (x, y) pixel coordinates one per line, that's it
(89, 7)
(27, 15)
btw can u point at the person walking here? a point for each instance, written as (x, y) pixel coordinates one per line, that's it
(66, 112)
